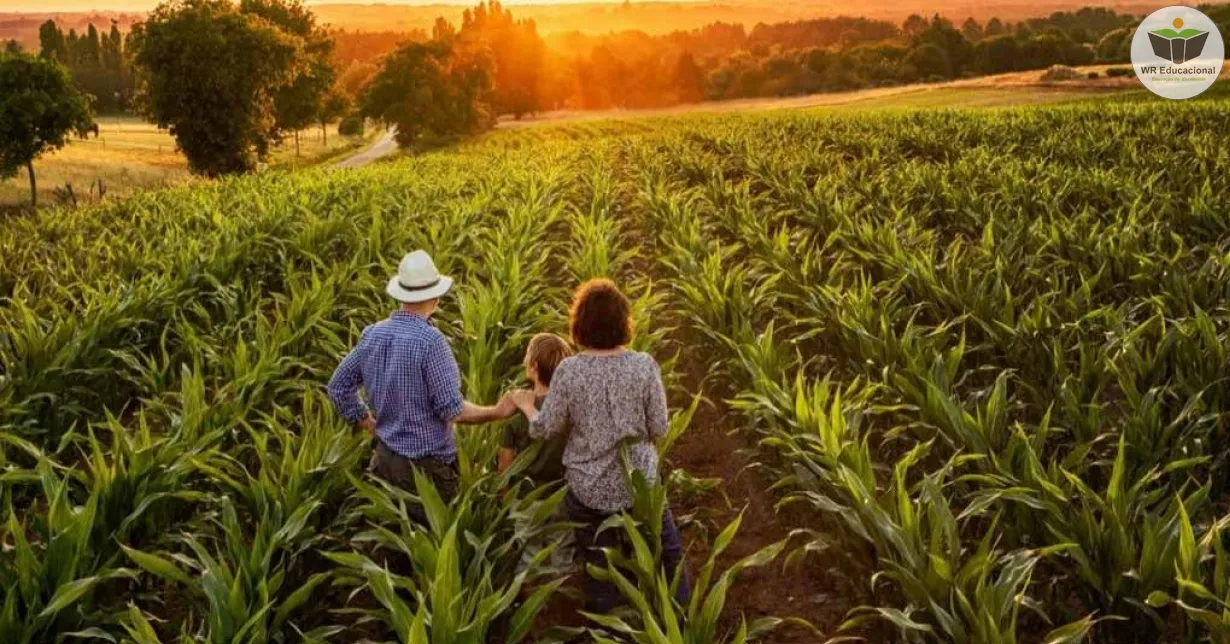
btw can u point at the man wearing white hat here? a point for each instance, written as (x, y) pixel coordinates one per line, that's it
(412, 385)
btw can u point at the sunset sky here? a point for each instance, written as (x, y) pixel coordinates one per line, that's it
(43, 6)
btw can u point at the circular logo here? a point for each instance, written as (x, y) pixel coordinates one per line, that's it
(1177, 52)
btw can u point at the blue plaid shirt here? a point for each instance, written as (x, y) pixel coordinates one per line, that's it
(412, 385)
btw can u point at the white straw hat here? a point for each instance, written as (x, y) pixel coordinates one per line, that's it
(417, 279)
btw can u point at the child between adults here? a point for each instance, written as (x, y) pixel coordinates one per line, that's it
(612, 402)
(544, 353)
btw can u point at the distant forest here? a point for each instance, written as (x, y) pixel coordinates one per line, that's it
(634, 69)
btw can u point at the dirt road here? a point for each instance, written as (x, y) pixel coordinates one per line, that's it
(383, 147)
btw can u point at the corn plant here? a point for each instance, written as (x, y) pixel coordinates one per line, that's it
(454, 579)
(1201, 594)
(655, 615)
(51, 572)
(242, 579)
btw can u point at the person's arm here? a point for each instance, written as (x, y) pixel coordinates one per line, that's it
(656, 420)
(344, 386)
(553, 417)
(443, 378)
(472, 414)
(514, 437)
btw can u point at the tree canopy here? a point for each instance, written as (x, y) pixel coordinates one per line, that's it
(300, 102)
(430, 90)
(517, 54)
(39, 109)
(97, 61)
(213, 72)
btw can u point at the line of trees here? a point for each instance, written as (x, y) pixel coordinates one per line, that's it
(831, 54)
(98, 63)
(495, 65)
(724, 61)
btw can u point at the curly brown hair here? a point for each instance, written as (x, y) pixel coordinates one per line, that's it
(600, 316)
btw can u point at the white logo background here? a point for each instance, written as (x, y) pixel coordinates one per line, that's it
(1151, 69)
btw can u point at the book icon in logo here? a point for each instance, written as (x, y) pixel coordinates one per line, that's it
(1176, 46)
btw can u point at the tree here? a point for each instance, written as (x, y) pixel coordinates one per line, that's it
(689, 79)
(602, 79)
(351, 126)
(113, 50)
(298, 104)
(956, 48)
(39, 108)
(430, 90)
(971, 30)
(994, 28)
(91, 48)
(1051, 47)
(354, 78)
(517, 53)
(51, 42)
(333, 107)
(998, 54)
(209, 74)
(1115, 46)
(96, 62)
(930, 62)
(914, 26)
(443, 29)
(12, 47)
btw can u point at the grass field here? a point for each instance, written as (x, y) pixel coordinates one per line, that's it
(131, 155)
(941, 376)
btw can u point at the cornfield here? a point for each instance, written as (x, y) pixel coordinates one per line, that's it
(986, 354)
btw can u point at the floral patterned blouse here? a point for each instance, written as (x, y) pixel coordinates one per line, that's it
(606, 401)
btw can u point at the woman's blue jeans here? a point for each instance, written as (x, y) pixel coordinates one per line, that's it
(602, 597)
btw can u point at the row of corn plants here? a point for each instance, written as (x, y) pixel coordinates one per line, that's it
(170, 469)
(984, 352)
(996, 373)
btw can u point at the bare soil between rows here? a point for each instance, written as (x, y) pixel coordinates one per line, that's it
(716, 446)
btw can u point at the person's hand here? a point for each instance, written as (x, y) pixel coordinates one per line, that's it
(368, 424)
(522, 398)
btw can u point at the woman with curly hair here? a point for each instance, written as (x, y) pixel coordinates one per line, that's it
(609, 397)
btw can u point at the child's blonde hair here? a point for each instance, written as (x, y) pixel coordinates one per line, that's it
(545, 352)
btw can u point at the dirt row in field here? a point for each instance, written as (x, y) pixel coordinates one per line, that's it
(714, 447)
